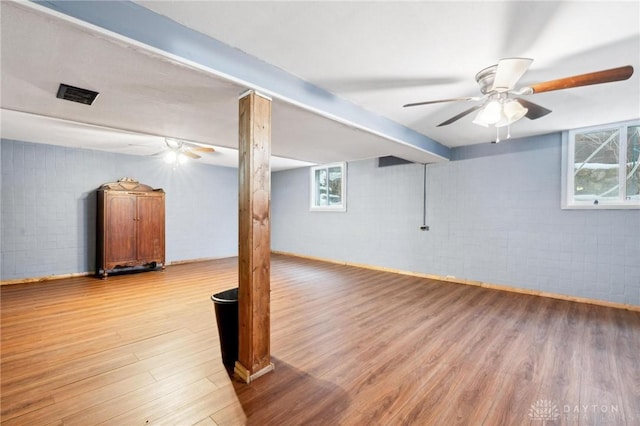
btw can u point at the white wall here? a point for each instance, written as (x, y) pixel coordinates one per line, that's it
(494, 215)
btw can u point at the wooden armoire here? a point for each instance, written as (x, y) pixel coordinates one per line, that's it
(130, 227)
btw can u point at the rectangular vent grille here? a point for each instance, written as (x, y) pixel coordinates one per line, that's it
(76, 94)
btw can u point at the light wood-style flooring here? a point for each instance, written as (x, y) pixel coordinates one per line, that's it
(351, 346)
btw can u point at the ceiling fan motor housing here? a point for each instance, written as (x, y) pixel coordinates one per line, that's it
(485, 78)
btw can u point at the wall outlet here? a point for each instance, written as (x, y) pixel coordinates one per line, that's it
(424, 228)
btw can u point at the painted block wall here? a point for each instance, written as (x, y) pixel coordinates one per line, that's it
(48, 210)
(494, 215)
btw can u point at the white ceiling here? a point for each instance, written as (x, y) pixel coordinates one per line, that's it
(377, 55)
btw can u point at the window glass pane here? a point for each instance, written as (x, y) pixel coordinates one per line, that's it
(328, 187)
(633, 162)
(596, 164)
(321, 187)
(335, 185)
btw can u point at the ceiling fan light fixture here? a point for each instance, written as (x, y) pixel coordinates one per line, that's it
(478, 119)
(175, 157)
(500, 113)
(513, 111)
(170, 157)
(490, 114)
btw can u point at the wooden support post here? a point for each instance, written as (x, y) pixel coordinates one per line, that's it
(254, 248)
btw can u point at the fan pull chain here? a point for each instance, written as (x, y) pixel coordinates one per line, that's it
(498, 133)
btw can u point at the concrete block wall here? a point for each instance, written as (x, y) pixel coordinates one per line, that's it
(48, 211)
(494, 215)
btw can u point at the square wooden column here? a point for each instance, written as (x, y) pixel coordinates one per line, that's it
(254, 247)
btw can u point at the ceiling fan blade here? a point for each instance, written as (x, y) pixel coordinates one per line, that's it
(473, 98)
(202, 149)
(534, 110)
(462, 114)
(598, 77)
(509, 72)
(190, 154)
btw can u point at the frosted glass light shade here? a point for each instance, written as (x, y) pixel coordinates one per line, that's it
(500, 113)
(491, 113)
(478, 119)
(170, 157)
(513, 111)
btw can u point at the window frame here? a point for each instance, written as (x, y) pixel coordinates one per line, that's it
(568, 164)
(342, 207)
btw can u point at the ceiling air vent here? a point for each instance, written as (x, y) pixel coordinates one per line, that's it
(76, 94)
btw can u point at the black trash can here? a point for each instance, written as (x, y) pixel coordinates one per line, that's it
(226, 306)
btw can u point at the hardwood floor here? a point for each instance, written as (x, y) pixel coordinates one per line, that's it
(351, 346)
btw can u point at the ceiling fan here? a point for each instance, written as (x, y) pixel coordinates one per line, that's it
(179, 151)
(501, 104)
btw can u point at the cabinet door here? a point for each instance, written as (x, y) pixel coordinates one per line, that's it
(120, 228)
(150, 220)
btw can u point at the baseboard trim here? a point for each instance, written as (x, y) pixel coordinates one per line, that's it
(455, 280)
(85, 274)
(372, 267)
(200, 259)
(243, 374)
(45, 278)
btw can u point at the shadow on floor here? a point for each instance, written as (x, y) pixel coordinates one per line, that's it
(290, 396)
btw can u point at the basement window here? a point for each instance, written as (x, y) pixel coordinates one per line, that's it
(329, 187)
(601, 167)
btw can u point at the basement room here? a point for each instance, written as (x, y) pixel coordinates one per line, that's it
(319, 213)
